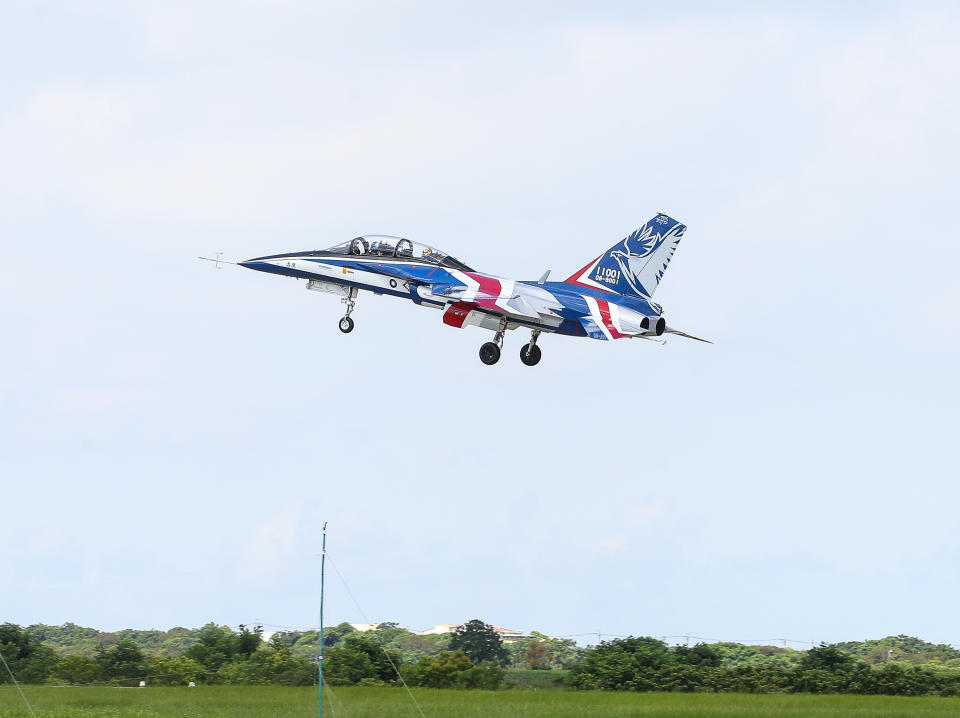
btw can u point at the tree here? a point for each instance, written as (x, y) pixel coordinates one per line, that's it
(487, 676)
(249, 641)
(358, 659)
(622, 664)
(278, 643)
(333, 636)
(547, 653)
(177, 671)
(479, 642)
(124, 662)
(440, 671)
(536, 655)
(827, 658)
(700, 655)
(216, 646)
(76, 670)
(27, 657)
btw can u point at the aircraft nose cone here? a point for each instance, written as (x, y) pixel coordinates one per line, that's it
(258, 264)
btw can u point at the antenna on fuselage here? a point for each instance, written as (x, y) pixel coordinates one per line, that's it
(543, 279)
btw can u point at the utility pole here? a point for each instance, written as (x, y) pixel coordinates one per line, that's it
(323, 566)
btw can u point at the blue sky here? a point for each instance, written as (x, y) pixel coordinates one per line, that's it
(173, 436)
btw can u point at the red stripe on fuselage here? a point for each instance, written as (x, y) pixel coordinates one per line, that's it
(604, 307)
(489, 291)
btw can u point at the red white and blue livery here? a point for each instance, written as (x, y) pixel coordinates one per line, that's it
(610, 298)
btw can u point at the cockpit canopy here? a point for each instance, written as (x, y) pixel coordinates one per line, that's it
(384, 245)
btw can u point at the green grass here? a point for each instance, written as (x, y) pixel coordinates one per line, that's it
(257, 702)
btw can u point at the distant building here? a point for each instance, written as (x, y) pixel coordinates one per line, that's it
(507, 635)
(364, 627)
(439, 630)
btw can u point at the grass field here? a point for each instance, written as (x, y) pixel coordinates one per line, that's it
(264, 702)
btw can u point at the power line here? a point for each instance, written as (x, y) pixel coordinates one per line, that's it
(19, 690)
(379, 640)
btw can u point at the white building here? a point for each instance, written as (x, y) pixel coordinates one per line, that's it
(507, 635)
(364, 627)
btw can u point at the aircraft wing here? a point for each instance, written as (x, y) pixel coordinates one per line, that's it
(501, 296)
(516, 305)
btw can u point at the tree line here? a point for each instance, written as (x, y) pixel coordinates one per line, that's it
(647, 664)
(474, 656)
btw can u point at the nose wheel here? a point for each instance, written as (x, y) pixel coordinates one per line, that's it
(346, 324)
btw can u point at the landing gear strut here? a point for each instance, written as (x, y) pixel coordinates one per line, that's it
(530, 353)
(346, 324)
(490, 352)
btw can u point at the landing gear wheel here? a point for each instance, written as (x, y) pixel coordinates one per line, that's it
(489, 353)
(346, 325)
(530, 354)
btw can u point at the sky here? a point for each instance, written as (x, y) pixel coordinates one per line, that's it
(173, 436)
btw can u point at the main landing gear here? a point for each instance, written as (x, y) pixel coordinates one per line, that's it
(346, 324)
(490, 352)
(530, 353)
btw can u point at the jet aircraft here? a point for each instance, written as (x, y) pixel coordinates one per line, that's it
(610, 298)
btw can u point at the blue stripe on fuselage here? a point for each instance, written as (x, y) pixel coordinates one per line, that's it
(572, 296)
(300, 274)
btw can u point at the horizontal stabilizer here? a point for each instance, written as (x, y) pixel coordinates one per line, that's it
(671, 330)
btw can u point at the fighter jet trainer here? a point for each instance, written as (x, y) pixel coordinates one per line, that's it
(610, 298)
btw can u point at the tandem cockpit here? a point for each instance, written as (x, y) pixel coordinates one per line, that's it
(380, 245)
(383, 245)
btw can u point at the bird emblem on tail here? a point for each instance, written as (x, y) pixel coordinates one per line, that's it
(634, 265)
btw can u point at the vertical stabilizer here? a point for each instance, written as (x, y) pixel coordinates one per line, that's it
(634, 266)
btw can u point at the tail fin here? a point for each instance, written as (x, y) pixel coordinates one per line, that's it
(634, 266)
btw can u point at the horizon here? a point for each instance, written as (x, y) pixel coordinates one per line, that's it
(682, 638)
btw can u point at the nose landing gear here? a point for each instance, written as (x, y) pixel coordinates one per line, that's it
(346, 324)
